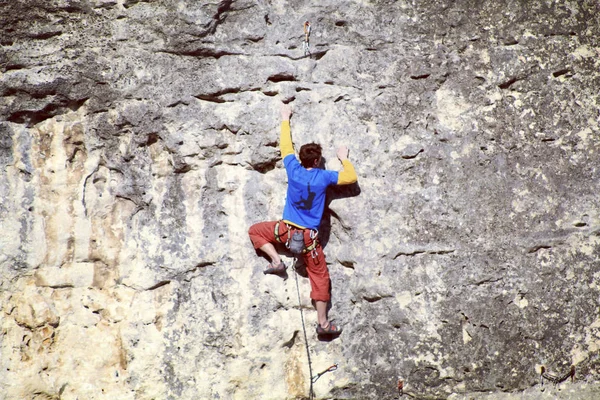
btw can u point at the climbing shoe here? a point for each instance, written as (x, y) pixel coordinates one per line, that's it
(332, 329)
(275, 269)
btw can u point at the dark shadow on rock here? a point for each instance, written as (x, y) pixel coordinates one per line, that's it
(281, 249)
(283, 275)
(328, 303)
(328, 338)
(300, 268)
(334, 193)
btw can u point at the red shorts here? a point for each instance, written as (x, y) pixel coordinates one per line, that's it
(318, 274)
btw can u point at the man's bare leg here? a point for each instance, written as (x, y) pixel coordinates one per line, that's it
(321, 307)
(270, 251)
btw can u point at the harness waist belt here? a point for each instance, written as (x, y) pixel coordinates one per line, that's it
(313, 235)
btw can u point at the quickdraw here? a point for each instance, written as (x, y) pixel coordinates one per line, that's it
(310, 248)
(306, 44)
(330, 369)
(558, 379)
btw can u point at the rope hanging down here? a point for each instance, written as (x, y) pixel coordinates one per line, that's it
(311, 394)
(313, 378)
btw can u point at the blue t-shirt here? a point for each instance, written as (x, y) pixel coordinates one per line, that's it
(306, 191)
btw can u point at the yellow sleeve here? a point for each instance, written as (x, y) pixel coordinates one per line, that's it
(285, 139)
(348, 174)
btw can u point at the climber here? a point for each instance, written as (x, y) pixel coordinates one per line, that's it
(305, 202)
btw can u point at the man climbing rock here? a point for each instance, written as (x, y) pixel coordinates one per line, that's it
(304, 205)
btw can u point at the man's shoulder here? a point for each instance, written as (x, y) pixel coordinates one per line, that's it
(290, 159)
(328, 176)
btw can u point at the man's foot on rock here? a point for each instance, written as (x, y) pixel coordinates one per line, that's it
(329, 329)
(278, 269)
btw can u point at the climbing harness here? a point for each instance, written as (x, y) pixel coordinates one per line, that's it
(276, 232)
(295, 241)
(306, 38)
(330, 369)
(312, 248)
(557, 379)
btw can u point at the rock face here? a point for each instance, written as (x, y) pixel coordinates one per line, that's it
(139, 141)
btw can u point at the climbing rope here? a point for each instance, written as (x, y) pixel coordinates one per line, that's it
(313, 378)
(306, 44)
(311, 394)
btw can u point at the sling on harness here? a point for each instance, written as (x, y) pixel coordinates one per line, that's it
(558, 379)
(295, 241)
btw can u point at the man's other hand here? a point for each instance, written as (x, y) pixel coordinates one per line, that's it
(286, 112)
(342, 153)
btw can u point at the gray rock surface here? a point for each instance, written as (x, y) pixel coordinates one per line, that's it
(139, 141)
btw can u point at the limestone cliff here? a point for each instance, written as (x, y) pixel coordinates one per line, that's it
(139, 141)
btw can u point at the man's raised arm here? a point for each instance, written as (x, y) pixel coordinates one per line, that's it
(347, 175)
(285, 139)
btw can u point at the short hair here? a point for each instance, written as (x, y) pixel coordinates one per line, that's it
(309, 153)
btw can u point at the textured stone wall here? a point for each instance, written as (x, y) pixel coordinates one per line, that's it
(139, 141)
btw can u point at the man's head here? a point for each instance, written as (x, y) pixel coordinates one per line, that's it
(310, 155)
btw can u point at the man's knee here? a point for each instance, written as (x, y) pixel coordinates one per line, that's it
(252, 230)
(261, 233)
(321, 292)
